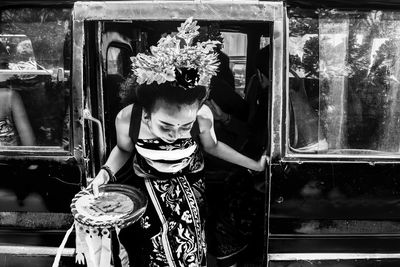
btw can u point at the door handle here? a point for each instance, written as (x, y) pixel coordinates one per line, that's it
(102, 141)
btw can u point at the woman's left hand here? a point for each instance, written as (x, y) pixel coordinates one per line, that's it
(262, 163)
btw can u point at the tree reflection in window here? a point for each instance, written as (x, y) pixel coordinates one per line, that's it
(348, 64)
(39, 54)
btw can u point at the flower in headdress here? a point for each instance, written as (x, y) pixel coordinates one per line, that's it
(188, 30)
(176, 59)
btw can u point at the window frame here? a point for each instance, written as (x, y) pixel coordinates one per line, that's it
(290, 155)
(53, 153)
(271, 12)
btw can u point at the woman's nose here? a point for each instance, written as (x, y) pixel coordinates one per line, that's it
(173, 134)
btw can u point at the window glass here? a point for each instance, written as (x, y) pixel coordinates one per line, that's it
(35, 57)
(118, 61)
(113, 64)
(344, 81)
(235, 46)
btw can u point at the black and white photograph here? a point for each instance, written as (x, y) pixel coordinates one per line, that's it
(202, 133)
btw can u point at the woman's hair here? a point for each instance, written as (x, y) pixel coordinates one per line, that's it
(146, 95)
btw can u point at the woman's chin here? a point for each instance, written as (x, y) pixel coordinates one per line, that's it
(170, 141)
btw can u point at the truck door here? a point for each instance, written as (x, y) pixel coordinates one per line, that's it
(335, 172)
(41, 133)
(114, 31)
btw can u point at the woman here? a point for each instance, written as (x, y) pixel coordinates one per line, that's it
(15, 129)
(165, 129)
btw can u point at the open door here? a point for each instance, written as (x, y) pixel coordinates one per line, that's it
(41, 134)
(119, 30)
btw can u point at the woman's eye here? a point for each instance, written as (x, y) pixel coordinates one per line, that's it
(164, 129)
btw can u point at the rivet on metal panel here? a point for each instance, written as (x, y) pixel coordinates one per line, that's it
(279, 200)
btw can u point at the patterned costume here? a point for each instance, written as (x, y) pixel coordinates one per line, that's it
(171, 232)
(8, 133)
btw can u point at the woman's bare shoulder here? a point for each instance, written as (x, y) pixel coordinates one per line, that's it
(122, 124)
(205, 118)
(124, 115)
(205, 113)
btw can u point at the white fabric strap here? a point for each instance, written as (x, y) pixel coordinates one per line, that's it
(61, 247)
(105, 256)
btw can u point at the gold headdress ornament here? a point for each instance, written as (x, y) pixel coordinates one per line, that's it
(175, 58)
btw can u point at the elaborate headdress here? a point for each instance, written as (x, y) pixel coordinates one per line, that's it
(175, 58)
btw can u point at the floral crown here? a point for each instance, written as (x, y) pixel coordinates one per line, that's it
(176, 59)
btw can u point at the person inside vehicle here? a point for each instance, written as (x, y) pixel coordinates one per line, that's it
(167, 128)
(15, 128)
(225, 241)
(237, 228)
(306, 134)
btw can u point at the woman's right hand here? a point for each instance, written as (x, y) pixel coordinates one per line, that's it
(100, 179)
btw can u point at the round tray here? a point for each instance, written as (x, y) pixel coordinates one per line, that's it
(95, 212)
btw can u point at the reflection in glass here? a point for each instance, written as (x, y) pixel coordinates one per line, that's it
(35, 69)
(15, 128)
(235, 45)
(348, 65)
(114, 61)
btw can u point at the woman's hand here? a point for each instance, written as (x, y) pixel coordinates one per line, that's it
(262, 163)
(101, 178)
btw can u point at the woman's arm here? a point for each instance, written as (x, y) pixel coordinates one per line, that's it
(21, 121)
(120, 153)
(220, 150)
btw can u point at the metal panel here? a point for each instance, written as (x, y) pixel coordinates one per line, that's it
(77, 89)
(171, 10)
(279, 70)
(373, 4)
(35, 251)
(330, 256)
(100, 89)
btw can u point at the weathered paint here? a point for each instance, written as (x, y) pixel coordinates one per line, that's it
(174, 10)
(331, 256)
(77, 90)
(35, 220)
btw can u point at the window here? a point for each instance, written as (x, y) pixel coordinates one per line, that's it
(113, 61)
(118, 61)
(35, 60)
(235, 46)
(344, 81)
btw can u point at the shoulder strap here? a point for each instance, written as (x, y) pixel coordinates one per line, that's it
(136, 119)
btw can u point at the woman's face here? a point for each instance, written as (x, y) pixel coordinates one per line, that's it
(170, 122)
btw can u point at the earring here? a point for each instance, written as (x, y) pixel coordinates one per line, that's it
(146, 119)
